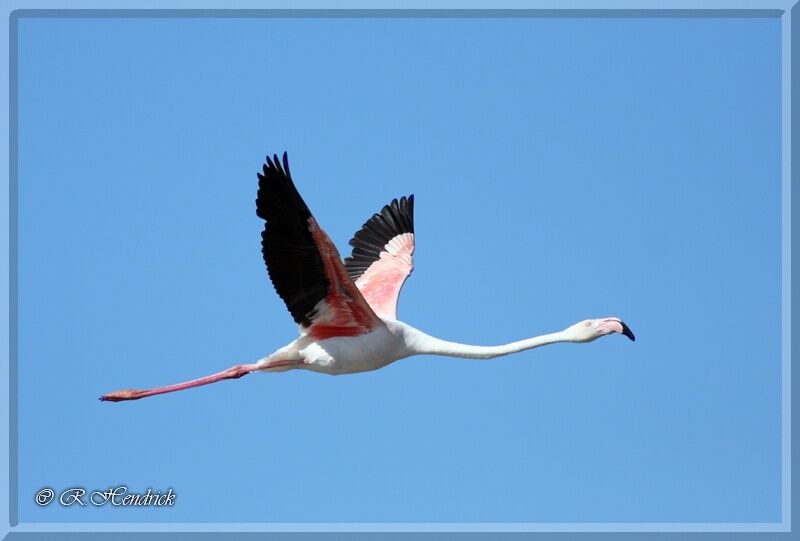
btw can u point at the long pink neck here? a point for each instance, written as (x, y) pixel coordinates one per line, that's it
(429, 345)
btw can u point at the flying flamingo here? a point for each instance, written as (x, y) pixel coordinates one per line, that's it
(347, 311)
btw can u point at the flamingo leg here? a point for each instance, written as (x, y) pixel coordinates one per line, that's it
(233, 372)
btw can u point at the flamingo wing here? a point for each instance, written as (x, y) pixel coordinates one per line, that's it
(303, 263)
(382, 256)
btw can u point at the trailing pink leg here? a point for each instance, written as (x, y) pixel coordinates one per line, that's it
(233, 372)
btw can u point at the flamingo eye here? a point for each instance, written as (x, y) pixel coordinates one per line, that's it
(587, 323)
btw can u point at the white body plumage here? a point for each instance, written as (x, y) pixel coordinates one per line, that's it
(350, 354)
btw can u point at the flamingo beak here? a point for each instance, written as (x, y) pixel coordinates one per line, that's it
(627, 331)
(619, 326)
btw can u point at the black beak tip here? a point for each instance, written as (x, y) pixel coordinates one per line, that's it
(628, 332)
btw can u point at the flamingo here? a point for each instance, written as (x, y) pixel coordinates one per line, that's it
(347, 310)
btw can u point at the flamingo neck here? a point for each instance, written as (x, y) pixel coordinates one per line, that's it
(425, 344)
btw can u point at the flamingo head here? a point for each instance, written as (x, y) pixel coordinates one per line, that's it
(592, 329)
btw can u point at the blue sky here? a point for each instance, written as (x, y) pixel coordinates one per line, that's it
(563, 169)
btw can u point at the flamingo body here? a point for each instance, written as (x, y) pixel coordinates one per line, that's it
(346, 310)
(383, 345)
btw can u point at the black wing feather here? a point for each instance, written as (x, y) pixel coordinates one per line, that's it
(394, 219)
(293, 260)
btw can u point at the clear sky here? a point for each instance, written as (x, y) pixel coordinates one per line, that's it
(562, 168)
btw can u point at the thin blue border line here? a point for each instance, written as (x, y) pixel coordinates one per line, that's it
(419, 527)
(783, 526)
(8, 476)
(786, 267)
(393, 13)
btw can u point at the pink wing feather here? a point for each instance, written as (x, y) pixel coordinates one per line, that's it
(303, 263)
(382, 256)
